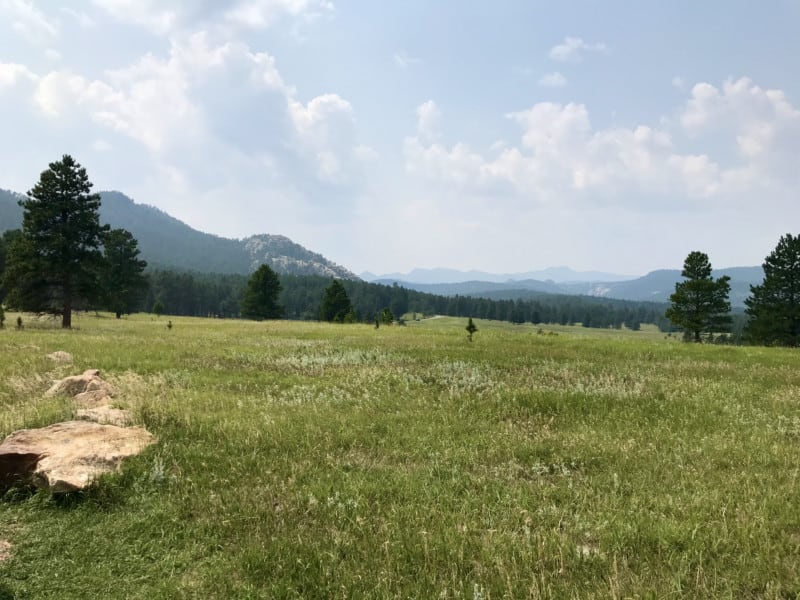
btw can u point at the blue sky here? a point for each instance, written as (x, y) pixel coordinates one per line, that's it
(503, 136)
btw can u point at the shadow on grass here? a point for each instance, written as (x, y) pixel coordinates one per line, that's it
(6, 593)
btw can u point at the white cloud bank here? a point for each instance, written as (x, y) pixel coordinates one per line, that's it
(560, 157)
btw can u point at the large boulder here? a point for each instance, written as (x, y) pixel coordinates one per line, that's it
(67, 457)
(88, 381)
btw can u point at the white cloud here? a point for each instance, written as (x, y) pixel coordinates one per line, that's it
(428, 120)
(562, 158)
(404, 60)
(150, 14)
(29, 21)
(761, 124)
(80, 17)
(573, 49)
(259, 14)
(11, 73)
(553, 80)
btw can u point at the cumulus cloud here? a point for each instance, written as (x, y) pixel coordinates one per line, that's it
(561, 157)
(555, 79)
(761, 124)
(573, 49)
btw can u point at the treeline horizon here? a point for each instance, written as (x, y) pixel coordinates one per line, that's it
(189, 293)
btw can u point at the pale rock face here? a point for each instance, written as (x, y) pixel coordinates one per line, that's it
(71, 454)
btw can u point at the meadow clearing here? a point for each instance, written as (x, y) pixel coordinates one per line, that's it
(307, 460)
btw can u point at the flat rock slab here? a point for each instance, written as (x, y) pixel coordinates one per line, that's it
(70, 454)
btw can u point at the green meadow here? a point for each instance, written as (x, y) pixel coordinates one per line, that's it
(307, 460)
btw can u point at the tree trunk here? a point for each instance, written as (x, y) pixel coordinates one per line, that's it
(66, 316)
(119, 314)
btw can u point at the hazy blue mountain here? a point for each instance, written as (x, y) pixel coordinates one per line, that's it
(655, 286)
(166, 242)
(556, 274)
(10, 211)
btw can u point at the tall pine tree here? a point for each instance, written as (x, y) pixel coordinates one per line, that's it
(774, 306)
(53, 266)
(260, 300)
(700, 304)
(123, 281)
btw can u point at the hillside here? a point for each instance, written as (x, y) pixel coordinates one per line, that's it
(166, 242)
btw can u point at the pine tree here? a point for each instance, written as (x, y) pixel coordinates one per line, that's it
(53, 266)
(335, 303)
(700, 304)
(471, 328)
(774, 306)
(123, 281)
(260, 300)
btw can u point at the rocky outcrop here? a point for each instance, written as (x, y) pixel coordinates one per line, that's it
(88, 381)
(70, 455)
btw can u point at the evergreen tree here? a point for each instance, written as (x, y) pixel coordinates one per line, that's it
(5, 243)
(335, 303)
(471, 328)
(700, 304)
(387, 317)
(774, 306)
(53, 266)
(260, 299)
(124, 283)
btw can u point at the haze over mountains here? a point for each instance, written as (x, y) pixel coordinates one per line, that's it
(166, 242)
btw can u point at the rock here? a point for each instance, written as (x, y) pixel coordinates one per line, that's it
(92, 399)
(89, 381)
(59, 356)
(106, 414)
(70, 455)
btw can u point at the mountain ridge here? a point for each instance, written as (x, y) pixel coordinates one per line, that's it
(169, 243)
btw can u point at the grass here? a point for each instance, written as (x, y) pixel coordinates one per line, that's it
(305, 460)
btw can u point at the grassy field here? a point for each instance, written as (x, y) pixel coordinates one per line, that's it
(304, 460)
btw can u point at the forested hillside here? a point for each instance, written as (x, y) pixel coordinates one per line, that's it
(167, 243)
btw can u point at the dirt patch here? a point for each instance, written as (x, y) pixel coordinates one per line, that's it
(5, 550)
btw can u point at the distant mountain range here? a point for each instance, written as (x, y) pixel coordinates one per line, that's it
(166, 242)
(557, 274)
(655, 286)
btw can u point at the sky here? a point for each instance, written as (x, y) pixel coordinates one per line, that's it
(502, 136)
